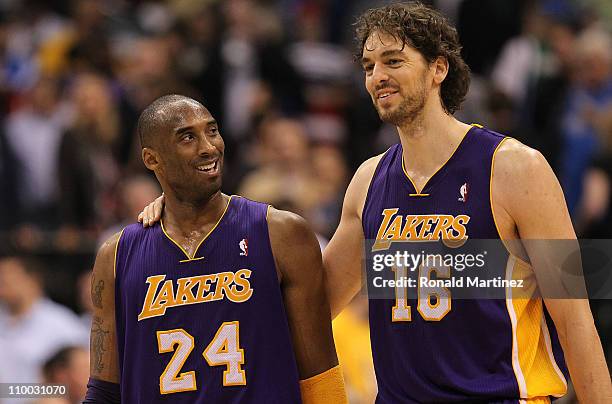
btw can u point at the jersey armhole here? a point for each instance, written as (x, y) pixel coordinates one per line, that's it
(521, 260)
(376, 171)
(115, 256)
(279, 277)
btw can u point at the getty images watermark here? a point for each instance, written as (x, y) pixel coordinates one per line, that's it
(489, 269)
(425, 264)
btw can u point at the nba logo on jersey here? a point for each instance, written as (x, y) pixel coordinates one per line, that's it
(463, 191)
(244, 247)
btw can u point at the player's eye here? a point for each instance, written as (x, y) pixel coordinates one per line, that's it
(187, 137)
(394, 62)
(214, 130)
(368, 68)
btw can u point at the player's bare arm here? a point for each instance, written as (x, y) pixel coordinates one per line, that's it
(104, 364)
(298, 260)
(343, 255)
(529, 203)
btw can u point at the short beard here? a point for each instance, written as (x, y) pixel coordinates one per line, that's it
(197, 197)
(409, 109)
(188, 193)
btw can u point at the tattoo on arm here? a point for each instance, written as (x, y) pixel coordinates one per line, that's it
(96, 292)
(99, 337)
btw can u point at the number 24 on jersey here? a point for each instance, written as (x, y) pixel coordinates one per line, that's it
(224, 349)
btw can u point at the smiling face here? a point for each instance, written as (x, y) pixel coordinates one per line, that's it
(187, 154)
(396, 77)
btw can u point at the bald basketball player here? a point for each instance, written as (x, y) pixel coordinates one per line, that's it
(222, 301)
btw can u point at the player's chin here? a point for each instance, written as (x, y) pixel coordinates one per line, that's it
(211, 184)
(387, 115)
(202, 191)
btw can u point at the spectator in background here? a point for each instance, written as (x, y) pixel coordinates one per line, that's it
(326, 70)
(8, 185)
(308, 180)
(144, 70)
(531, 77)
(133, 193)
(32, 327)
(257, 73)
(69, 367)
(90, 48)
(284, 172)
(500, 19)
(34, 134)
(88, 169)
(594, 215)
(589, 99)
(332, 177)
(198, 50)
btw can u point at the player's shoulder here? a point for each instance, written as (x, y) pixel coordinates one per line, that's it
(366, 170)
(360, 183)
(109, 246)
(357, 190)
(105, 259)
(516, 161)
(290, 237)
(287, 225)
(521, 177)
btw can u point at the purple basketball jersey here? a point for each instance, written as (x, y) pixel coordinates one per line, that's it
(489, 350)
(204, 329)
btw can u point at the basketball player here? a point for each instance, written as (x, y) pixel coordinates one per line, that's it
(488, 350)
(223, 301)
(468, 351)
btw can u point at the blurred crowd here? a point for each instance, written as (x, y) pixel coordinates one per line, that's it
(279, 77)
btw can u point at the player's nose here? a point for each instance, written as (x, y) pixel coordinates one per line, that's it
(206, 147)
(379, 74)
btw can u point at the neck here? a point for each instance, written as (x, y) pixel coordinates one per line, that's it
(430, 139)
(187, 216)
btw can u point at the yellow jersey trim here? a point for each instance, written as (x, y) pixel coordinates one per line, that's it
(115, 258)
(551, 357)
(418, 191)
(193, 258)
(536, 371)
(532, 358)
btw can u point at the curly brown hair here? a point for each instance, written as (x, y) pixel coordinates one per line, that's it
(428, 32)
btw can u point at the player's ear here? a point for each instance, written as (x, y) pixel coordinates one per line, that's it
(150, 158)
(440, 69)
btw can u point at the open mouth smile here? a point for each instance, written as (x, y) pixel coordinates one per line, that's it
(209, 168)
(385, 94)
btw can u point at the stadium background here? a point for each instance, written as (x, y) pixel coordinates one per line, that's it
(296, 120)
